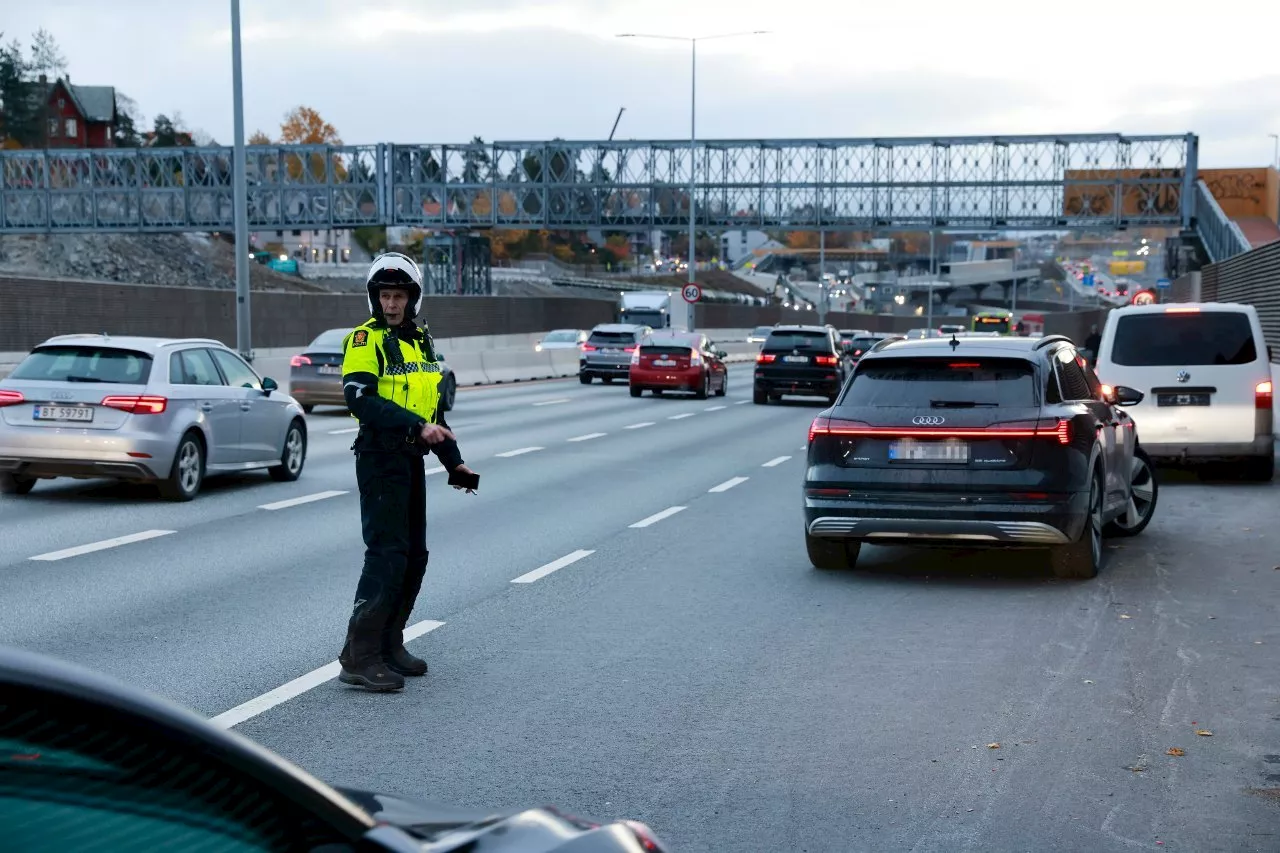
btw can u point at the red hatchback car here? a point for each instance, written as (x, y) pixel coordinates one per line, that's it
(678, 361)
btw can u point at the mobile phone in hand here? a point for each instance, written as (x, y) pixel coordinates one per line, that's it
(465, 480)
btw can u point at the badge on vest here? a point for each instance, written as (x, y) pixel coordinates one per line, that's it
(360, 338)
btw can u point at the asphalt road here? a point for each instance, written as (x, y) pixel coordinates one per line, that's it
(695, 672)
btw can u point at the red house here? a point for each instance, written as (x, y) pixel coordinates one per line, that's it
(80, 116)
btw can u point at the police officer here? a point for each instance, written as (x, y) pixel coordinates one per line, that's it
(391, 382)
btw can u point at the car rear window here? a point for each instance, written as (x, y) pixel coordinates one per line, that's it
(560, 337)
(612, 338)
(667, 347)
(761, 330)
(85, 364)
(798, 340)
(332, 338)
(1178, 338)
(922, 383)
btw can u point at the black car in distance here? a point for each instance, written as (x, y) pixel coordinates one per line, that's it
(962, 442)
(806, 361)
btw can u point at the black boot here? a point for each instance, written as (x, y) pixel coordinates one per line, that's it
(361, 657)
(394, 654)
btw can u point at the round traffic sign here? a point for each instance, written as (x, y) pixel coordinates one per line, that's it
(1143, 297)
(691, 293)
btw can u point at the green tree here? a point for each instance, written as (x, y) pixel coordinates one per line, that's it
(21, 111)
(128, 118)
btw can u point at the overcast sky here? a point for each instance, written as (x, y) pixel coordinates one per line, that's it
(448, 70)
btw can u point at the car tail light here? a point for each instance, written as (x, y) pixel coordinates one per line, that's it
(963, 365)
(631, 349)
(1056, 428)
(827, 360)
(588, 348)
(635, 357)
(11, 398)
(695, 358)
(136, 405)
(1182, 309)
(299, 361)
(1263, 395)
(766, 358)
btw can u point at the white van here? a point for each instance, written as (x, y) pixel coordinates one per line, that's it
(1206, 373)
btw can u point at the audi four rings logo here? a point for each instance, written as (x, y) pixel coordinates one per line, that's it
(928, 420)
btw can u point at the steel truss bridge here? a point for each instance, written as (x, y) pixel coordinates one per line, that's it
(1010, 182)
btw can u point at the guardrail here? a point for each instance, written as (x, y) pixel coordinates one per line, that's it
(1221, 236)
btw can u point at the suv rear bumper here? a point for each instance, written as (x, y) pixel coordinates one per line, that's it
(816, 385)
(602, 369)
(1263, 445)
(1029, 524)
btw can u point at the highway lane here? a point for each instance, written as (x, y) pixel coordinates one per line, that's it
(207, 598)
(488, 421)
(695, 672)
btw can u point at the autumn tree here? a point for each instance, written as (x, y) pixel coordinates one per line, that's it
(304, 126)
(259, 138)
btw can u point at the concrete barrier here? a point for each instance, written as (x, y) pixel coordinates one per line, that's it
(564, 362)
(507, 365)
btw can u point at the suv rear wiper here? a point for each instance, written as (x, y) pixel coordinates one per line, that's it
(83, 379)
(958, 404)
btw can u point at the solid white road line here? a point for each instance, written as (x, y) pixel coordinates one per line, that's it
(773, 463)
(589, 436)
(302, 684)
(716, 408)
(305, 499)
(554, 565)
(553, 402)
(728, 484)
(101, 546)
(658, 516)
(681, 417)
(518, 452)
(639, 425)
(343, 431)
(742, 402)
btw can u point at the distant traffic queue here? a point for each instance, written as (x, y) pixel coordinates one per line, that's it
(1002, 322)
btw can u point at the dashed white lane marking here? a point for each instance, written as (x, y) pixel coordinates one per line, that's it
(553, 402)
(658, 516)
(520, 452)
(742, 402)
(554, 565)
(716, 408)
(773, 463)
(101, 546)
(681, 417)
(588, 436)
(305, 499)
(804, 447)
(302, 684)
(728, 484)
(639, 425)
(344, 431)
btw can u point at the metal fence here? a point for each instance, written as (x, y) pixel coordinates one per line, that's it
(1221, 235)
(1252, 278)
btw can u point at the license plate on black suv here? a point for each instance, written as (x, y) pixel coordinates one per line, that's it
(910, 450)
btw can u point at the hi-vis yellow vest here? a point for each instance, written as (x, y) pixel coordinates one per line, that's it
(405, 376)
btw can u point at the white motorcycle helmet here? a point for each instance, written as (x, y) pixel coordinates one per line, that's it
(394, 270)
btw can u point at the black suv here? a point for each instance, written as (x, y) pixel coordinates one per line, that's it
(966, 442)
(802, 360)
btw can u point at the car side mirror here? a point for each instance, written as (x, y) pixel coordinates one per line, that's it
(269, 385)
(1122, 395)
(721, 354)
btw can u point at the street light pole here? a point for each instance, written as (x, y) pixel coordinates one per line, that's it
(693, 132)
(240, 193)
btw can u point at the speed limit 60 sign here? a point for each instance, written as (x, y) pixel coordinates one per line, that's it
(691, 293)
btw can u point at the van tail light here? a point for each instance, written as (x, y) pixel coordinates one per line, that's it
(299, 361)
(825, 360)
(1263, 395)
(11, 398)
(1058, 429)
(137, 405)
(766, 358)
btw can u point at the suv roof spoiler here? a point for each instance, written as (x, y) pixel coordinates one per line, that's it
(1052, 339)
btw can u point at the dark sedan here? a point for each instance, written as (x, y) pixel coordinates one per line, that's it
(87, 763)
(315, 375)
